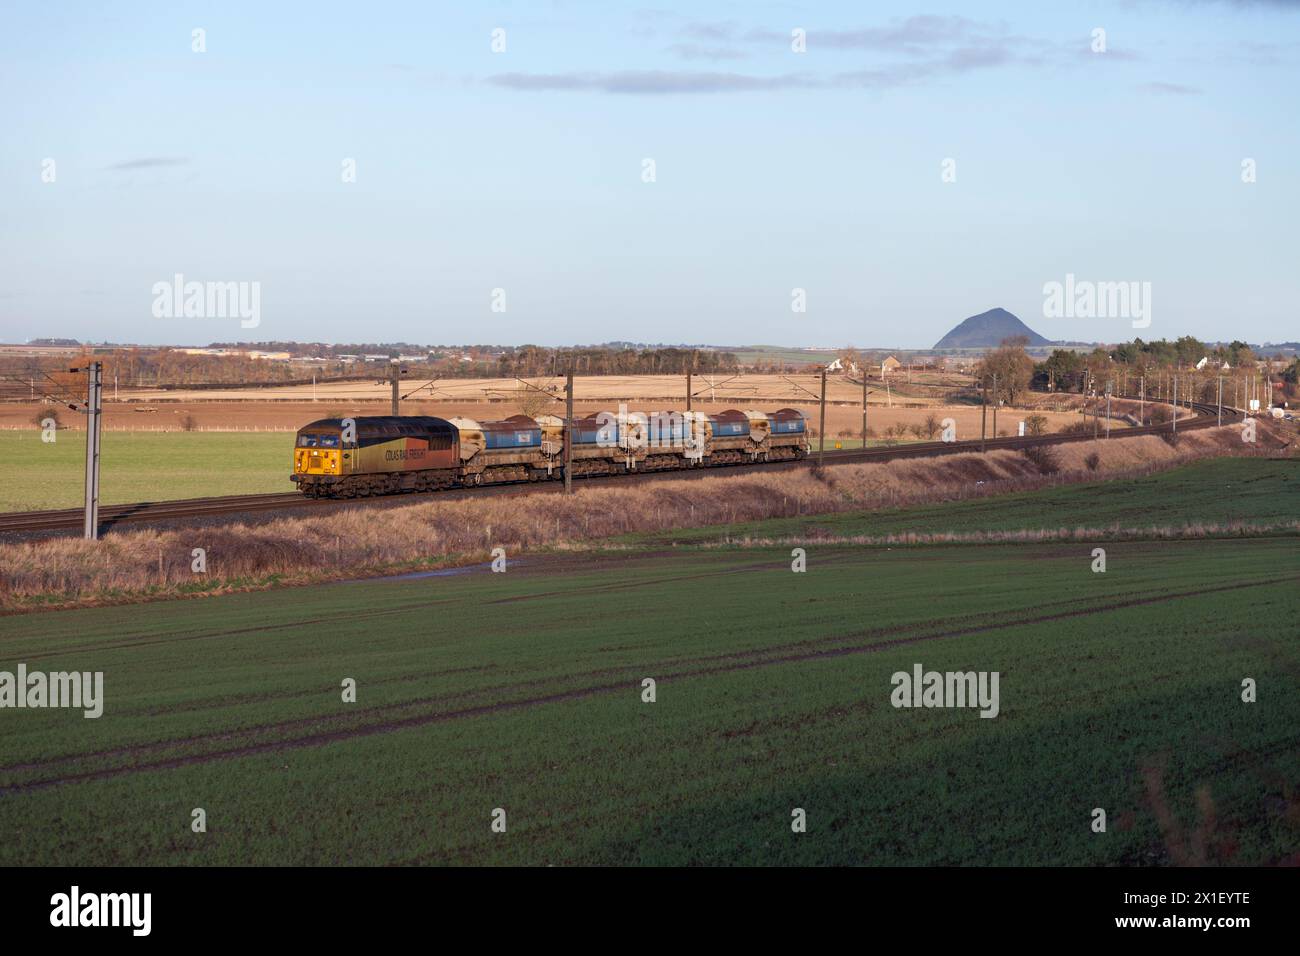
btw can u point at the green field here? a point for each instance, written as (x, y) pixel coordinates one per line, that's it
(523, 691)
(141, 466)
(1213, 491)
(748, 355)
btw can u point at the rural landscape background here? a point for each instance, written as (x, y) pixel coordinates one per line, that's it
(1043, 385)
(523, 690)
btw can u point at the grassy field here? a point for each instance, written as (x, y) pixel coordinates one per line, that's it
(523, 691)
(1213, 491)
(778, 353)
(141, 466)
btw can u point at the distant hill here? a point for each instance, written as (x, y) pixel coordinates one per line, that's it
(987, 330)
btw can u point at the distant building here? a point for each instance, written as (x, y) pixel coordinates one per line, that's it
(241, 353)
(889, 365)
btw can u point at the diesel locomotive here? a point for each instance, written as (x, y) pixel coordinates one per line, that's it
(381, 455)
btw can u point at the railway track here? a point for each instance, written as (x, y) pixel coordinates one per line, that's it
(110, 516)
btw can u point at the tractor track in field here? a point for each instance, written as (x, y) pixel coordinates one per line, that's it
(772, 656)
(111, 516)
(841, 554)
(546, 569)
(142, 640)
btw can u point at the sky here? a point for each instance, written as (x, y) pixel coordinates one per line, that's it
(561, 173)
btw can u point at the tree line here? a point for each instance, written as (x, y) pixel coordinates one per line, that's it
(1007, 372)
(533, 360)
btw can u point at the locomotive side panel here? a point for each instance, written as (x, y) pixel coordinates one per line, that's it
(374, 455)
(415, 443)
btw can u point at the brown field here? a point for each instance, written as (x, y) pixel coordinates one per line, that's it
(668, 390)
(148, 563)
(289, 416)
(288, 408)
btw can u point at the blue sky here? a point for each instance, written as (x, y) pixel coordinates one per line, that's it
(523, 170)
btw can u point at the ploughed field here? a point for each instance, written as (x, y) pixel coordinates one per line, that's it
(523, 691)
(722, 386)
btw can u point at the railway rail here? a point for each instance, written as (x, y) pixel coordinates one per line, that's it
(153, 511)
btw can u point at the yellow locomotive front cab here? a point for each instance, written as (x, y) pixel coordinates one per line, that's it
(318, 453)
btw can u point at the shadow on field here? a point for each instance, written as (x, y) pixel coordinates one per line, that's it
(1184, 780)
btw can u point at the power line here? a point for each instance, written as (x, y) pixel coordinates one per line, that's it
(36, 384)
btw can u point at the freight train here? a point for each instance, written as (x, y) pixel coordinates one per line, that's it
(382, 455)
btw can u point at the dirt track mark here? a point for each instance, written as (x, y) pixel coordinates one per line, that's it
(727, 664)
(593, 562)
(381, 612)
(989, 620)
(634, 585)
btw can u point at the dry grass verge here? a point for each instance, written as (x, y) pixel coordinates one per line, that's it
(1235, 529)
(144, 564)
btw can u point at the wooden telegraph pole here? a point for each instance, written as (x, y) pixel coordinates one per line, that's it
(688, 390)
(568, 434)
(394, 370)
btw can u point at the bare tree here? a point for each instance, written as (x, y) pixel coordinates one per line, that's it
(535, 398)
(1011, 365)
